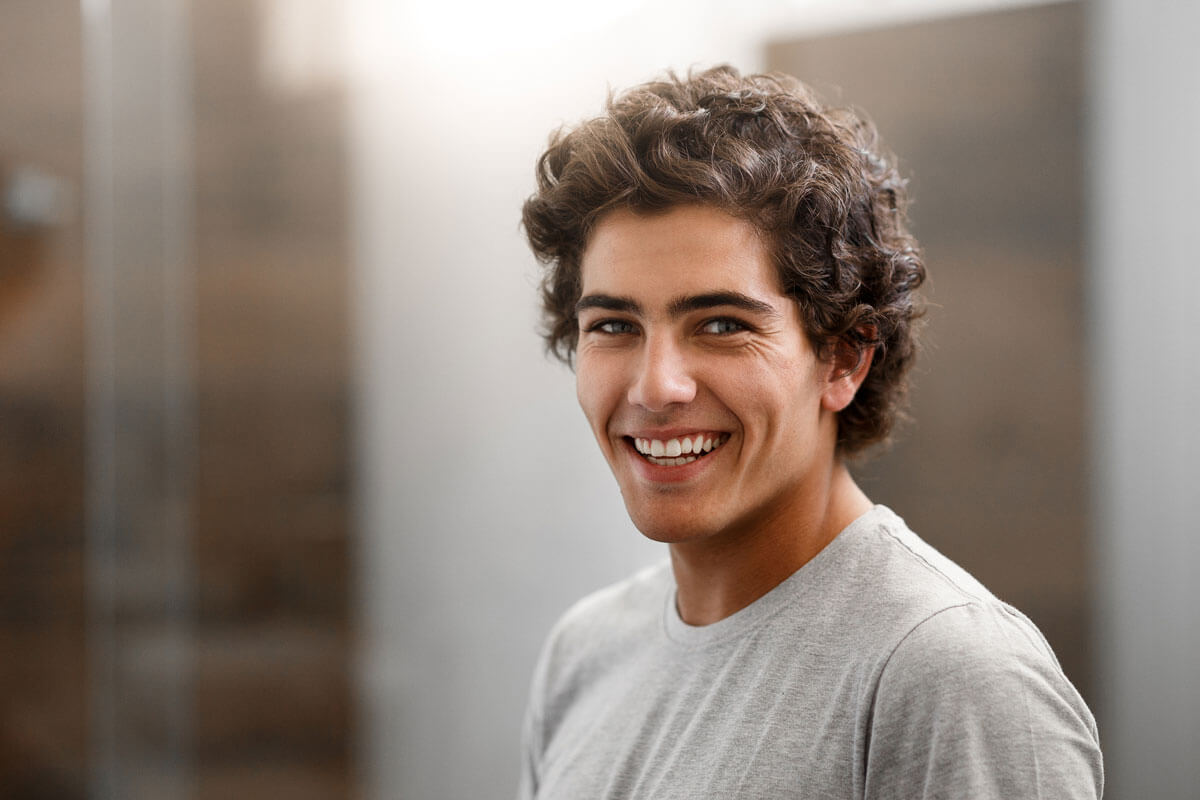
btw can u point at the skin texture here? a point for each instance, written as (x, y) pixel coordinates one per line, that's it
(684, 329)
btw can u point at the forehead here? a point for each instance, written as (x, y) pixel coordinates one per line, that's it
(683, 249)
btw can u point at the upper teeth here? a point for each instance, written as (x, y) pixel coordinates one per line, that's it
(673, 448)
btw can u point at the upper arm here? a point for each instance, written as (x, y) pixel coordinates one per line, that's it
(532, 726)
(527, 781)
(972, 704)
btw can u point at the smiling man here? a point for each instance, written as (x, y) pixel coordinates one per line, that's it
(729, 271)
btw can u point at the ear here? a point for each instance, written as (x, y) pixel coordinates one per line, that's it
(847, 371)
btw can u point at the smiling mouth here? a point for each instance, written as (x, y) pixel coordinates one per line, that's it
(679, 451)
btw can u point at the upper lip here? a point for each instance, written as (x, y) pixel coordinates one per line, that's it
(664, 434)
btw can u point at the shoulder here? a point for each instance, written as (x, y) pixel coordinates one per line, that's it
(621, 609)
(965, 653)
(940, 616)
(946, 627)
(912, 571)
(968, 698)
(603, 625)
(878, 581)
(965, 697)
(973, 701)
(588, 639)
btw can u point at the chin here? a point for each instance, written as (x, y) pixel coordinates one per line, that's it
(667, 531)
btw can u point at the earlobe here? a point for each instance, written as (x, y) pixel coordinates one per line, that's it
(847, 372)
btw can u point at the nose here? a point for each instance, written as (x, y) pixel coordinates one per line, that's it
(663, 378)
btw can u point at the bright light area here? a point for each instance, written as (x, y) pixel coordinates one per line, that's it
(561, 37)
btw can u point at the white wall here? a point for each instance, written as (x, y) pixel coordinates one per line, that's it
(1145, 172)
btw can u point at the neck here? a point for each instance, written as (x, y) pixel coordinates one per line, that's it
(721, 575)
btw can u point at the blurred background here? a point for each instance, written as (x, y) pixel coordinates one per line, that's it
(289, 495)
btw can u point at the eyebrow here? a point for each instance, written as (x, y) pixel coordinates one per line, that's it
(680, 305)
(609, 303)
(699, 302)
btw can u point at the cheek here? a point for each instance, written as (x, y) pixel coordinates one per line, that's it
(591, 387)
(782, 402)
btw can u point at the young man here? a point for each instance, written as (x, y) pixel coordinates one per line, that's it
(729, 271)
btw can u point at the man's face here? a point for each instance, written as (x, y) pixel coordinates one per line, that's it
(695, 373)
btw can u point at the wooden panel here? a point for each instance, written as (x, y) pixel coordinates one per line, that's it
(43, 675)
(273, 677)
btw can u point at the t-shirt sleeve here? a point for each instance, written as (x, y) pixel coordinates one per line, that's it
(532, 726)
(973, 704)
(527, 782)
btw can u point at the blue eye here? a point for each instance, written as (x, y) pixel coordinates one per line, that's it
(612, 327)
(722, 326)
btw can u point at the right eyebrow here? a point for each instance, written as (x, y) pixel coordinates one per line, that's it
(608, 302)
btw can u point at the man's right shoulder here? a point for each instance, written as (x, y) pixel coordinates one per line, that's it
(614, 617)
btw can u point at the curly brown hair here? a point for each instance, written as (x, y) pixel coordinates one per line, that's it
(763, 148)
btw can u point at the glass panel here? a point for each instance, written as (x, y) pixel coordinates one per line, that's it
(139, 378)
(174, 454)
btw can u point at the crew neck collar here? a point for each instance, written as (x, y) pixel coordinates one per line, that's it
(793, 588)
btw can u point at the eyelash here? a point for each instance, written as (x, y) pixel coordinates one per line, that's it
(604, 326)
(738, 326)
(599, 327)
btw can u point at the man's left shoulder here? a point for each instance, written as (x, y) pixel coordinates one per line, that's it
(969, 688)
(943, 606)
(974, 695)
(927, 613)
(972, 643)
(883, 580)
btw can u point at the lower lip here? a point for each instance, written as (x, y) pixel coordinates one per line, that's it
(659, 473)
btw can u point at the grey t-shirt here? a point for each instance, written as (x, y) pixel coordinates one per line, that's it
(878, 670)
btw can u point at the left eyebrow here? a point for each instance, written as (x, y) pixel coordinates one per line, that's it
(699, 302)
